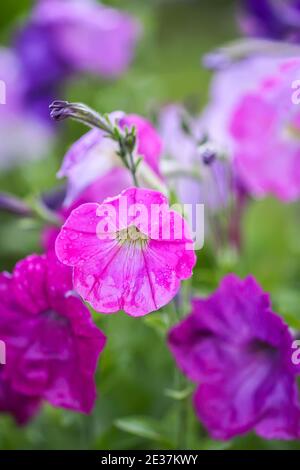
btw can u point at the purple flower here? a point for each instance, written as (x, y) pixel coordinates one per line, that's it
(239, 352)
(22, 136)
(52, 343)
(63, 37)
(272, 19)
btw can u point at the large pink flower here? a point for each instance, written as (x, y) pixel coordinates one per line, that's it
(129, 253)
(52, 343)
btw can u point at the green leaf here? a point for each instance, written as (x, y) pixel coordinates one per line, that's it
(286, 302)
(209, 444)
(142, 426)
(179, 394)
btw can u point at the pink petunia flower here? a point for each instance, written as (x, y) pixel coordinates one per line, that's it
(239, 353)
(129, 253)
(52, 343)
(258, 121)
(94, 158)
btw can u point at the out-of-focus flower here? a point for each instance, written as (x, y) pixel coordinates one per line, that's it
(129, 253)
(63, 37)
(258, 122)
(242, 49)
(52, 344)
(95, 156)
(23, 136)
(276, 19)
(239, 352)
(21, 407)
(191, 168)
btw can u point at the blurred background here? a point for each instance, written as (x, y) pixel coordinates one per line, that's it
(134, 409)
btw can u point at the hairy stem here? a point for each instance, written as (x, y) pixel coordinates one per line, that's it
(126, 139)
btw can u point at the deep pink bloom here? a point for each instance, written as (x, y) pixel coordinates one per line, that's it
(240, 354)
(125, 258)
(94, 157)
(259, 123)
(52, 343)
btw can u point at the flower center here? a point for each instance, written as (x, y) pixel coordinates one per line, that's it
(291, 132)
(54, 317)
(258, 346)
(132, 235)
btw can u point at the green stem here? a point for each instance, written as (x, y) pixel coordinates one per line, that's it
(60, 110)
(42, 213)
(133, 169)
(182, 430)
(182, 423)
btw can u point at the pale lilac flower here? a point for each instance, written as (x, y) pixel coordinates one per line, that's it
(239, 353)
(64, 37)
(197, 175)
(23, 136)
(52, 344)
(125, 258)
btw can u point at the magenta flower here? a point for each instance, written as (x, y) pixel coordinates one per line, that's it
(21, 407)
(94, 158)
(129, 253)
(52, 343)
(239, 352)
(258, 122)
(65, 37)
